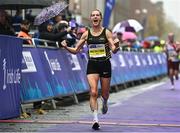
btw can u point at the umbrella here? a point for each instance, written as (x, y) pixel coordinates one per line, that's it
(49, 12)
(24, 4)
(129, 36)
(152, 38)
(130, 25)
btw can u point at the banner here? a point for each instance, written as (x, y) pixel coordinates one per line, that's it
(49, 73)
(63, 71)
(34, 79)
(10, 70)
(107, 13)
(77, 70)
(119, 65)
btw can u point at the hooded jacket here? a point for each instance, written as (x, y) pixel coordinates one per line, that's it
(45, 34)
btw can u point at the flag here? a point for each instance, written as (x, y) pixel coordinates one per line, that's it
(107, 13)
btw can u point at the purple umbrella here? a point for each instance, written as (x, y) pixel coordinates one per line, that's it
(49, 12)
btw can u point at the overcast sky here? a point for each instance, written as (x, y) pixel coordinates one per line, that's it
(172, 9)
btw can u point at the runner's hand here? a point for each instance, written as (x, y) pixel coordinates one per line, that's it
(64, 44)
(116, 42)
(68, 29)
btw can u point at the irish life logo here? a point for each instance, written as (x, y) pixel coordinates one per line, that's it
(10, 75)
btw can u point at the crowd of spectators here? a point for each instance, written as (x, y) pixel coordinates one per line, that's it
(55, 29)
(58, 29)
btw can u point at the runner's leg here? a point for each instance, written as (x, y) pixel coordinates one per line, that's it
(93, 83)
(171, 77)
(176, 70)
(105, 86)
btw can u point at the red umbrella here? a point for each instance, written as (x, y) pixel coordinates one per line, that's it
(129, 36)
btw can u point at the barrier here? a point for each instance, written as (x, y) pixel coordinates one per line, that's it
(10, 61)
(49, 73)
(130, 66)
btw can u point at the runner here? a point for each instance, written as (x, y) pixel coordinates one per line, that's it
(100, 42)
(173, 61)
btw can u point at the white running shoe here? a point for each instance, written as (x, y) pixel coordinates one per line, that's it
(172, 87)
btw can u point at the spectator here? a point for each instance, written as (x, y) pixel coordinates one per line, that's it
(5, 28)
(80, 31)
(128, 44)
(46, 32)
(57, 20)
(119, 36)
(29, 16)
(61, 28)
(24, 33)
(17, 19)
(146, 44)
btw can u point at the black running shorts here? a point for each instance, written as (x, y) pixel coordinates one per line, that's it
(173, 65)
(101, 67)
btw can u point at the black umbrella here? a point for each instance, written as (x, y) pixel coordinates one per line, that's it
(24, 4)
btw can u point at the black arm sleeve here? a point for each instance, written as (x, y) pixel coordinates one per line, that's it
(53, 36)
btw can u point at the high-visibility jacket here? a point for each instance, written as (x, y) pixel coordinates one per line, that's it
(25, 35)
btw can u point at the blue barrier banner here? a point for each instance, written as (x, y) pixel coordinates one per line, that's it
(107, 13)
(130, 66)
(129, 56)
(56, 71)
(146, 65)
(138, 66)
(33, 77)
(51, 73)
(78, 67)
(163, 61)
(70, 75)
(118, 68)
(10, 62)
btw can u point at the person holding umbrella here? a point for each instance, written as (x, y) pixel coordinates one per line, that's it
(45, 23)
(100, 44)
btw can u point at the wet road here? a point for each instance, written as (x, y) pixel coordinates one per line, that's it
(75, 112)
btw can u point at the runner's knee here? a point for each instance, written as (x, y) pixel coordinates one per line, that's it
(94, 93)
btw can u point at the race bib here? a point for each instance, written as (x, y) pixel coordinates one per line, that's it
(97, 50)
(173, 56)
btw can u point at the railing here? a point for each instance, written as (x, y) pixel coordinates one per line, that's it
(36, 41)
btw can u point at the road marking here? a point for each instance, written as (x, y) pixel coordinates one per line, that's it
(89, 122)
